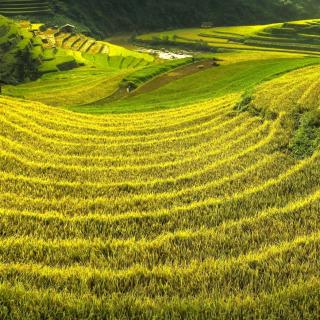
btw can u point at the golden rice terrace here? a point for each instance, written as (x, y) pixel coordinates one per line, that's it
(134, 187)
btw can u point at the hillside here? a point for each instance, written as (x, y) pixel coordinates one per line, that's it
(133, 186)
(24, 56)
(16, 48)
(114, 16)
(26, 53)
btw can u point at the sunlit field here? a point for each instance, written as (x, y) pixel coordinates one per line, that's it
(127, 195)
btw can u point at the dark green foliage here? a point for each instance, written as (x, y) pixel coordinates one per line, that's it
(17, 61)
(247, 105)
(244, 104)
(111, 16)
(307, 135)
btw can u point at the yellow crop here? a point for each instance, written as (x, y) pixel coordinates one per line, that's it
(126, 216)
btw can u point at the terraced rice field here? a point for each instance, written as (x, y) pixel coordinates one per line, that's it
(24, 7)
(236, 74)
(193, 212)
(97, 67)
(293, 37)
(197, 199)
(298, 88)
(23, 55)
(94, 75)
(98, 79)
(84, 44)
(302, 35)
(80, 43)
(85, 85)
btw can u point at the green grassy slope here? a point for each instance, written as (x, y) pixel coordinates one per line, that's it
(204, 85)
(79, 86)
(23, 56)
(49, 55)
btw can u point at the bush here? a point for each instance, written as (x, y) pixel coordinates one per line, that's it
(246, 105)
(307, 136)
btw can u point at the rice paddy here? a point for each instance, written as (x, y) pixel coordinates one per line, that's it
(293, 37)
(186, 202)
(91, 73)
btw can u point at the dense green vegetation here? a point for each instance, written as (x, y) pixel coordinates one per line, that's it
(128, 15)
(16, 58)
(113, 16)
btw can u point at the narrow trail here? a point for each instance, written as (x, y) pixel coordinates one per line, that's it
(173, 75)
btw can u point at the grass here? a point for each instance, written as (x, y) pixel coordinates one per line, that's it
(215, 82)
(141, 76)
(297, 93)
(84, 85)
(307, 137)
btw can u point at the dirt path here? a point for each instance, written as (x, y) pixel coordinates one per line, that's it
(173, 75)
(159, 81)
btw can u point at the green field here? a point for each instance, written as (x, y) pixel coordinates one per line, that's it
(301, 36)
(23, 55)
(72, 74)
(231, 78)
(195, 196)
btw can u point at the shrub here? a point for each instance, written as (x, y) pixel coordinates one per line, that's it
(307, 136)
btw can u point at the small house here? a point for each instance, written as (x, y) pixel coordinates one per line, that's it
(68, 28)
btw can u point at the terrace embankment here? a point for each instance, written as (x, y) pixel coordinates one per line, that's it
(160, 81)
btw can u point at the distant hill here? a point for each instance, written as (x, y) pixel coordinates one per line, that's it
(110, 16)
(105, 17)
